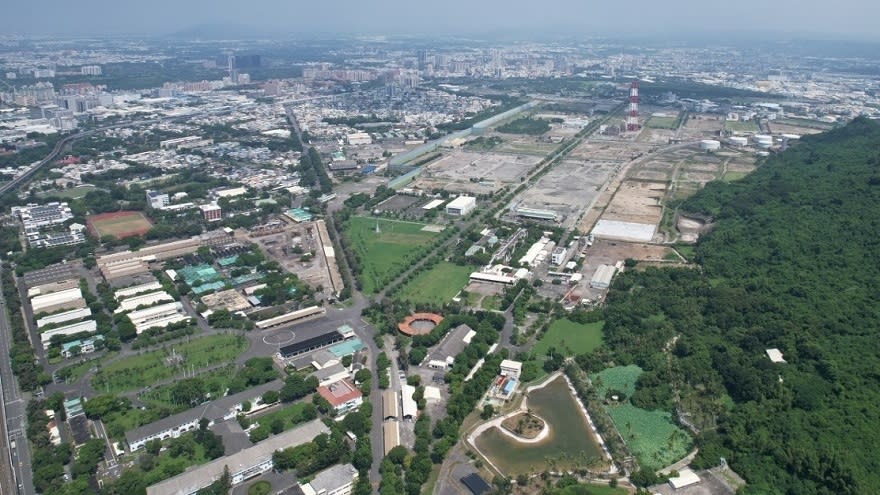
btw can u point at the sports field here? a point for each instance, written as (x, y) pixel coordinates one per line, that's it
(135, 372)
(437, 285)
(651, 436)
(570, 338)
(384, 254)
(119, 224)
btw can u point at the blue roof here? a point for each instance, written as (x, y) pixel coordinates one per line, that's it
(509, 385)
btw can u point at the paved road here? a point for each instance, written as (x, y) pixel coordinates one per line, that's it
(13, 415)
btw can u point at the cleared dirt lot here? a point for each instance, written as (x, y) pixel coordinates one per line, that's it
(701, 126)
(568, 188)
(476, 173)
(636, 201)
(605, 252)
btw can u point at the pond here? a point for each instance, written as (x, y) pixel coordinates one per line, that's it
(570, 444)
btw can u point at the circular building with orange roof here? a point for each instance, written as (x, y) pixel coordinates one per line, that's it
(419, 323)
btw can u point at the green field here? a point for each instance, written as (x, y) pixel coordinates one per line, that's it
(589, 490)
(525, 125)
(289, 416)
(732, 176)
(741, 126)
(383, 255)
(146, 369)
(437, 285)
(656, 122)
(491, 303)
(650, 435)
(571, 338)
(72, 193)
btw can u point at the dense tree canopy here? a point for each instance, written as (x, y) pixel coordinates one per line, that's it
(790, 264)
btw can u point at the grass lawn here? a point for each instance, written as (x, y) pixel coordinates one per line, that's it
(383, 255)
(74, 372)
(437, 285)
(491, 303)
(216, 382)
(168, 467)
(72, 193)
(651, 435)
(141, 370)
(732, 176)
(741, 126)
(570, 337)
(686, 250)
(261, 487)
(291, 415)
(669, 122)
(590, 490)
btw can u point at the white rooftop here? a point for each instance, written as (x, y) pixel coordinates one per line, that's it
(686, 477)
(614, 229)
(775, 355)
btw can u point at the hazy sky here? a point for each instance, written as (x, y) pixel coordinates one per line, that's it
(530, 18)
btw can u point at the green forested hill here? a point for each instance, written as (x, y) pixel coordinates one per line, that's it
(794, 263)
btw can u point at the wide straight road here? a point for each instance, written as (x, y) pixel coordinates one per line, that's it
(18, 479)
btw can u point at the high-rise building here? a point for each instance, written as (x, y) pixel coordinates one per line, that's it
(90, 70)
(422, 56)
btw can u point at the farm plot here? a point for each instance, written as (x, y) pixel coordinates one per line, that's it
(651, 435)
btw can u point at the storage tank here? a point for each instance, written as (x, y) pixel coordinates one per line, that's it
(739, 141)
(763, 140)
(710, 145)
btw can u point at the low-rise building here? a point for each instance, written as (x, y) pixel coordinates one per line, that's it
(343, 395)
(511, 368)
(243, 465)
(157, 200)
(222, 409)
(338, 480)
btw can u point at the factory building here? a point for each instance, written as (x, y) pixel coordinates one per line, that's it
(602, 277)
(461, 206)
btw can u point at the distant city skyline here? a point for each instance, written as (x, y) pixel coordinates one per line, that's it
(845, 19)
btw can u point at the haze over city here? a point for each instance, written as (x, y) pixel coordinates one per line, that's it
(527, 19)
(454, 248)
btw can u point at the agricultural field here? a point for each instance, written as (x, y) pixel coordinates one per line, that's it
(438, 285)
(381, 255)
(119, 224)
(570, 338)
(650, 435)
(146, 369)
(662, 122)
